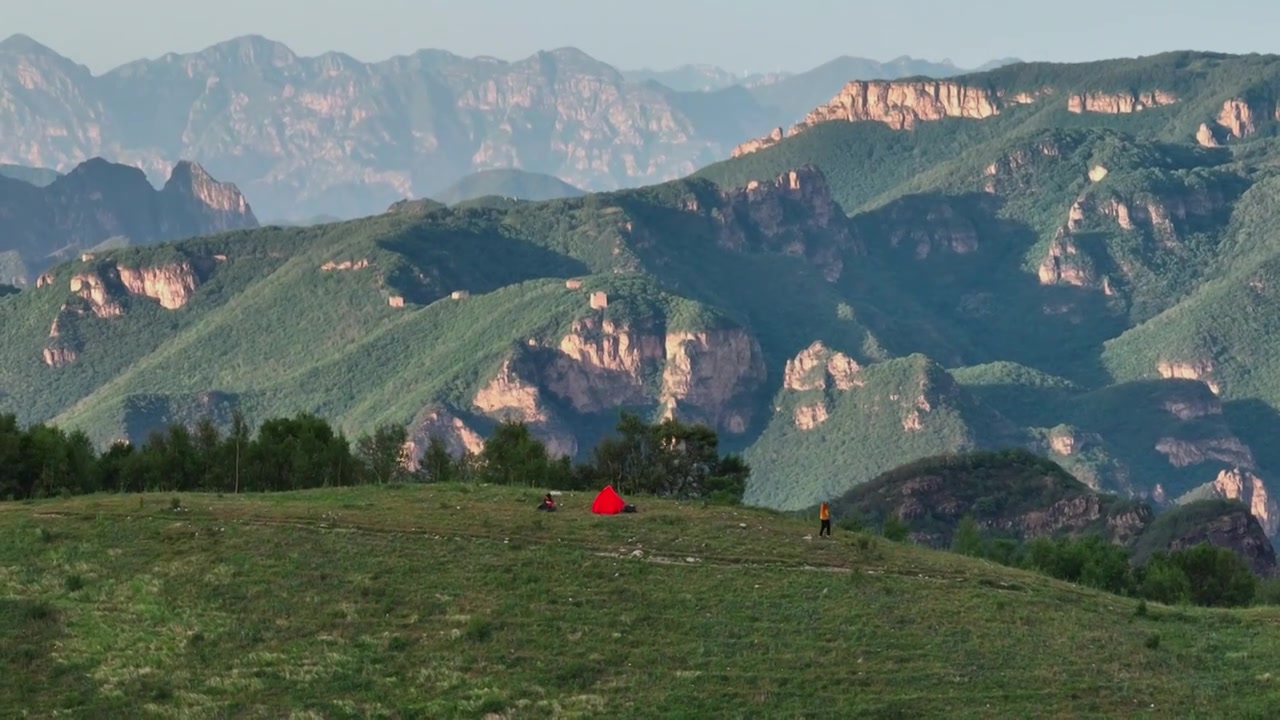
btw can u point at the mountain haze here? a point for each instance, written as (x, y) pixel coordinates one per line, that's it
(329, 135)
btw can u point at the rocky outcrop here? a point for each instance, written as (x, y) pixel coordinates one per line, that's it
(900, 105)
(1119, 103)
(1068, 441)
(794, 214)
(1201, 370)
(815, 370)
(92, 287)
(56, 357)
(171, 285)
(437, 421)
(1183, 453)
(1079, 514)
(332, 266)
(712, 377)
(1238, 118)
(932, 496)
(508, 396)
(1064, 264)
(1235, 529)
(601, 365)
(1251, 491)
(818, 367)
(773, 138)
(98, 201)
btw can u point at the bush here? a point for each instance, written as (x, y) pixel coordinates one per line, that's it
(1268, 592)
(1218, 577)
(1164, 582)
(967, 539)
(895, 529)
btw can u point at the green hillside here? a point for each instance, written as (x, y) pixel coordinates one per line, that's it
(506, 183)
(1082, 272)
(400, 602)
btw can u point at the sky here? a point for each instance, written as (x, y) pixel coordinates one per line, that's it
(739, 35)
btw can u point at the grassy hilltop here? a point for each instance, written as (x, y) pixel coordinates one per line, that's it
(461, 601)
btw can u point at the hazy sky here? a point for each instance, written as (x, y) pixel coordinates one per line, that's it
(736, 34)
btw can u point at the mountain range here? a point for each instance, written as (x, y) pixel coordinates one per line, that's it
(1076, 259)
(330, 135)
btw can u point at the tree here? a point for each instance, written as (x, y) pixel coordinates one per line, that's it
(437, 464)
(384, 454)
(967, 539)
(1218, 577)
(512, 455)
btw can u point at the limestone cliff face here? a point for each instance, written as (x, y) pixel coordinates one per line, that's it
(795, 214)
(711, 377)
(898, 104)
(171, 285)
(508, 396)
(1118, 103)
(601, 365)
(436, 421)
(1064, 264)
(101, 291)
(1249, 489)
(1200, 369)
(814, 371)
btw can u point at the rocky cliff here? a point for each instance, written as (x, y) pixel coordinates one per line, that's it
(102, 288)
(708, 376)
(99, 201)
(794, 214)
(1223, 523)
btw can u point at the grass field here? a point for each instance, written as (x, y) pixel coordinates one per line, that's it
(451, 601)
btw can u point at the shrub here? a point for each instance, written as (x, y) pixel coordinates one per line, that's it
(895, 529)
(1164, 582)
(1218, 577)
(175, 503)
(73, 583)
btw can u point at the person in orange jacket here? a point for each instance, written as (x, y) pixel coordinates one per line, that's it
(824, 514)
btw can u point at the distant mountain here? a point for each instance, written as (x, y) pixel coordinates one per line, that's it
(687, 78)
(39, 177)
(507, 183)
(99, 205)
(329, 135)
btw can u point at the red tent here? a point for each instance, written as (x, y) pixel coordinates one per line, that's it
(607, 502)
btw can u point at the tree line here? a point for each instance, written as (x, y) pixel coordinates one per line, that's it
(667, 458)
(1201, 575)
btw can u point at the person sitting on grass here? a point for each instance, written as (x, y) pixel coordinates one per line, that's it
(548, 504)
